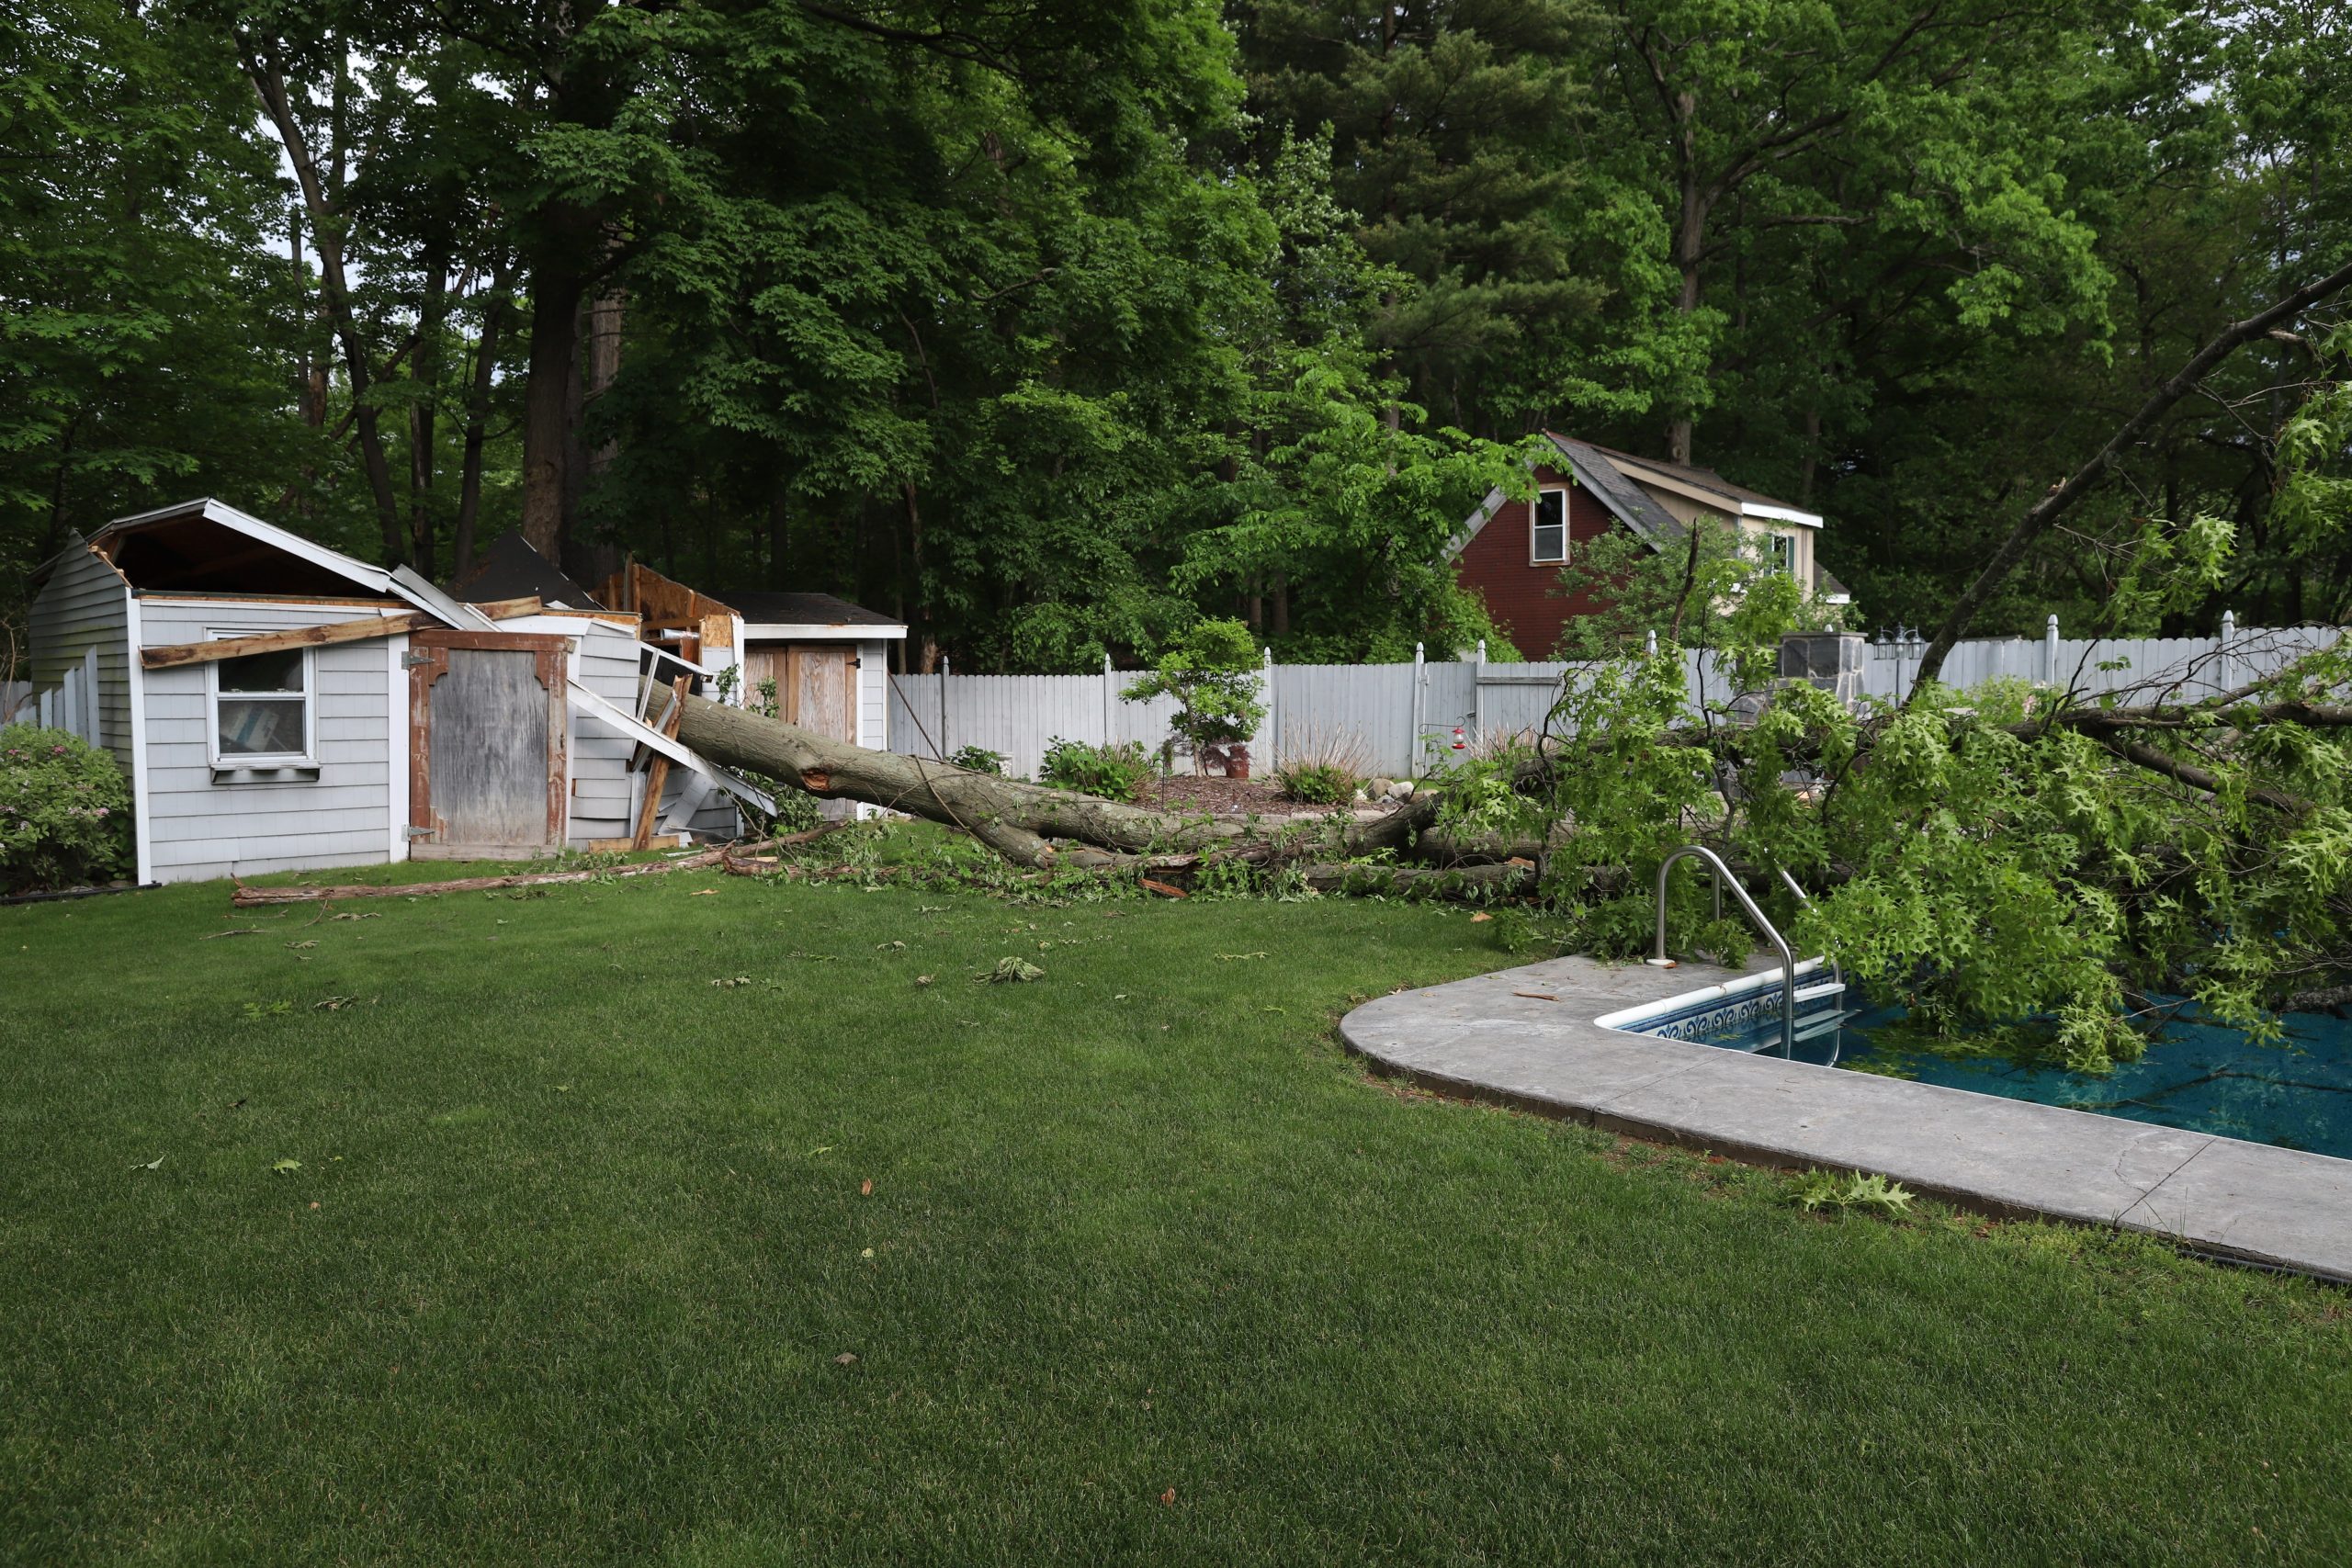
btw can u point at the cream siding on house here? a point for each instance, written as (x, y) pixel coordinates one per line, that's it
(86, 605)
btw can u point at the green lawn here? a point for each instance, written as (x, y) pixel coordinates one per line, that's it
(578, 1242)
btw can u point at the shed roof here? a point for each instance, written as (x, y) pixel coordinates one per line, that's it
(511, 568)
(761, 608)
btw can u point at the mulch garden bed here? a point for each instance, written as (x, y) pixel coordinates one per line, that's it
(1222, 796)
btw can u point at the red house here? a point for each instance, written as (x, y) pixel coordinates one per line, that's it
(1512, 551)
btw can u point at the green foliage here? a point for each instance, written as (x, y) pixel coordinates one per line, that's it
(977, 759)
(1729, 596)
(1814, 1191)
(1058, 326)
(1318, 783)
(65, 811)
(1114, 772)
(1213, 672)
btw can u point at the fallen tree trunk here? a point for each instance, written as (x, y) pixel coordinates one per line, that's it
(1023, 822)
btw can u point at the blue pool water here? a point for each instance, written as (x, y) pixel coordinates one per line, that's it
(2297, 1094)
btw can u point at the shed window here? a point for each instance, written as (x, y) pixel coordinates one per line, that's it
(1780, 553)
(261, 708)
(1550, 541)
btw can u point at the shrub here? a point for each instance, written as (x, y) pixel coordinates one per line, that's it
(1326, 770)
(977, 760)
(1114, 772)
(65, 811)
(1212, 671)
(1318, 783)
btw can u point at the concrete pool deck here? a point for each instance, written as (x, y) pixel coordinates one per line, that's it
(1526, 1037)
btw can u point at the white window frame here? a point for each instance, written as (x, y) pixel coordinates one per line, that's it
(1782, 549)
(1535, 556)
(306, 758)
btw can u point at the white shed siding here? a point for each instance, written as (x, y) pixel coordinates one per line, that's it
(197, 828)
(873, 696)
(605, 659)
(85, 605)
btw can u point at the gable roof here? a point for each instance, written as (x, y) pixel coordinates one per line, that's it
(1741, 501)
(511, 568)
(766, 608)
(208, 546)
(1633, 505)
(1589, 464)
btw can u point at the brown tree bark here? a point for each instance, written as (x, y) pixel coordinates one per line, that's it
(1044, 829)
(557, 288)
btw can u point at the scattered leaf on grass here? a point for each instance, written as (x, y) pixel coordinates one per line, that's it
(847, 1358)
(867, 1253)
(731, 984)
(922, 979)
(865, 1188)
(1168, 1498)
(821, 1149)
(286, 1166)
(297, 946)
(1480, 918)
(333, 1004)
(155, 1164)
(702, 892)
(1018, 970)
(889, 947)
(1229, 957)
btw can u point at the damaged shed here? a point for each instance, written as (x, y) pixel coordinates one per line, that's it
(278, 706)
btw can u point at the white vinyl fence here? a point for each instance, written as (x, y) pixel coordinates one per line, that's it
(1402, 717)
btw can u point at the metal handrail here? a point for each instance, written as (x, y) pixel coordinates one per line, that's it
(1837, 970)
(1770, 932)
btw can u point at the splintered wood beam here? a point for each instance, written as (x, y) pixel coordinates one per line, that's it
(657, 773)
(172, 655)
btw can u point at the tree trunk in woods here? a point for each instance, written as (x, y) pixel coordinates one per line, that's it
(322, 191)
(557, 288)
(425, 372)
(493, 322)
(1044, 829)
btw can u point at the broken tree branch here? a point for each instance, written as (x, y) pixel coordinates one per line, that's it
(2064, 495)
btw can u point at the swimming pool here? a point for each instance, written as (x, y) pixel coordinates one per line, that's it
(2197, 1075)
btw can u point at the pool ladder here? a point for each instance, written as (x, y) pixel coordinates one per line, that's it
(1790, 995)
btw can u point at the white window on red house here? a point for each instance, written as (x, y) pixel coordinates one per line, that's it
(1550, 540)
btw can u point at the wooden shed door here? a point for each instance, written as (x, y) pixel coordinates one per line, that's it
(815, 684)
(487, 767)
